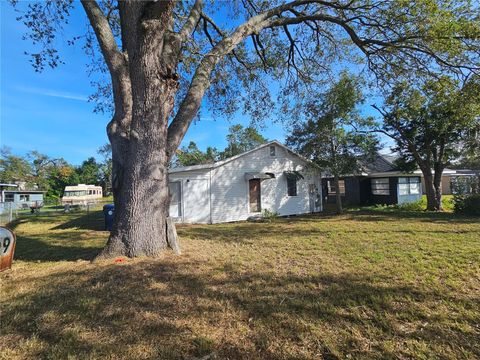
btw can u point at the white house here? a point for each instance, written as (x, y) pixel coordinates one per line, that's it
(270, 177)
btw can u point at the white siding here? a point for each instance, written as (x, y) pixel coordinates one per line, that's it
(195, 195)
(221, 194)
(230, 193)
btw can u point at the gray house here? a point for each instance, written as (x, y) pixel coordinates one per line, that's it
(19, 199)
(379, 182)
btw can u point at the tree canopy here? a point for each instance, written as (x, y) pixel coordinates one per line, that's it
(432, 125)
(192, 155)
(294, 43)
(241, 139)
(332, 132)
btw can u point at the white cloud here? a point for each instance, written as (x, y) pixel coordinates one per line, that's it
(52, 93)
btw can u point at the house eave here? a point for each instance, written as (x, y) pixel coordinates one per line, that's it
(223, 162)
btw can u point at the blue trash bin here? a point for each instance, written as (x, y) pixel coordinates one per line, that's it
(108, 212)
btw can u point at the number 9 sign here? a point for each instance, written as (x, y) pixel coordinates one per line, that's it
(7, 247)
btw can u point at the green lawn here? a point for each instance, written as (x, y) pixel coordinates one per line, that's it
(365, 285)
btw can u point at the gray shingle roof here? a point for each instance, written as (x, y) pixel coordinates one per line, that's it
(381, 163)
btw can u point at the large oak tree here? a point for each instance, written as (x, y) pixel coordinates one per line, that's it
(164, 56)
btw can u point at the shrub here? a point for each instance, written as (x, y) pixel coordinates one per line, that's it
(467, 204)
(412, 206)
(466, 185)
(269, 215)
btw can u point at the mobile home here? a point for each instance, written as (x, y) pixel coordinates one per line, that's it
(81, 194)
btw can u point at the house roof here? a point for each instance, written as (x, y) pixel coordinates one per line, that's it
(24, 192)
(81, 187)
(223, 162)
(380, 164)
(383, 165)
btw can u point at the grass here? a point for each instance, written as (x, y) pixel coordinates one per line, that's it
(421, 205)
(364, 285)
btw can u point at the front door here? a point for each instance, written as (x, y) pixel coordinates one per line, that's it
(254, 192)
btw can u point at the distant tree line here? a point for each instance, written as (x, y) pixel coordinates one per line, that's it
(39, 171)
(239, 140)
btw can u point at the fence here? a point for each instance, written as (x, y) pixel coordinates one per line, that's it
(8, 213)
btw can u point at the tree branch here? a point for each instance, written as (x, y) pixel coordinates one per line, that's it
(208, 20)
(192, 20)
(119, 127)
(201, 79)
(273, 18)
(99, 22)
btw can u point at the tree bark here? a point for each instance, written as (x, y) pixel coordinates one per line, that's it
(141, 183)
(338, 195)
(437, 185)
(433, 189)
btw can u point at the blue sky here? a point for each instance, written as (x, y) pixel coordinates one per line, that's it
(49, 111)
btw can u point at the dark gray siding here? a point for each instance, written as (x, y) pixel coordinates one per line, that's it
(352, 191)
(358, 191)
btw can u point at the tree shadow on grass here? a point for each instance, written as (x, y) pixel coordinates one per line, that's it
(173, 309)
(33, 249)
(93, 220)
(78, 237)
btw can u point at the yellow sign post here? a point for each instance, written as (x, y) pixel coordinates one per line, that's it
(7, 248)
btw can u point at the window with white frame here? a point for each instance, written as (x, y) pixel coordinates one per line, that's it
(272, 150)
(175, 190)
(331, 187)
(9, 197)
(381, 186)
(408, 186)
(24, 198)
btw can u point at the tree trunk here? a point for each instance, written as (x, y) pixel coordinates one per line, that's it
(338, 195)
(141, 161)
(437, 184)
(141, 203)
(433, 190)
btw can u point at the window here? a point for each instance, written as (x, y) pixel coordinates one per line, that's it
(381, 186)
(331, 187)
(9, 197)
(272, 150)
(292, 178)
(291, 186)
(409, 186)
(175, 189)
(24, 198)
